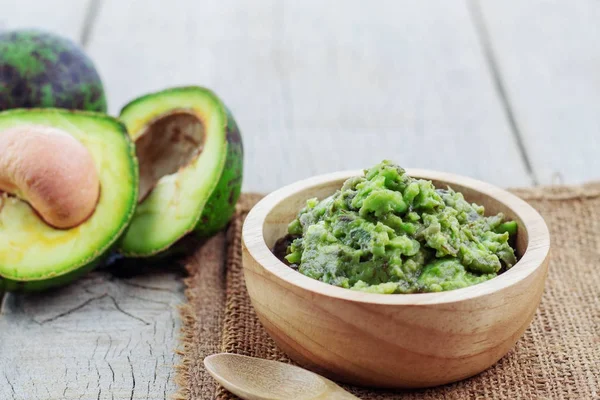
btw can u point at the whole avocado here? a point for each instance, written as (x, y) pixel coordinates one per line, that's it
(40, 69)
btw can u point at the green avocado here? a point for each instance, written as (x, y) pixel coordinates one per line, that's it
(39, 69)
(191, 161)
(36, 256)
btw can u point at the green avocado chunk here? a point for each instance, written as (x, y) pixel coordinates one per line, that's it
(36, 256)
(386, 232)
(40, 69)
(191, 163)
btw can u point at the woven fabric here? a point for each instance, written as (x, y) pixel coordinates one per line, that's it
(557, 358)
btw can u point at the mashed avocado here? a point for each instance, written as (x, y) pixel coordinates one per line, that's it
(386, 232)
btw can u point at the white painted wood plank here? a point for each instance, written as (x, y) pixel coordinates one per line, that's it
(64, 17)
(321, 86)
(548, 54)
(104, 337)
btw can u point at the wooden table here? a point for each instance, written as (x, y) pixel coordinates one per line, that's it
(504, 91)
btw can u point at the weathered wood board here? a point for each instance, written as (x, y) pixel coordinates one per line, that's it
(107, 336)
(65, 17)
(315, 89)
(548, 56)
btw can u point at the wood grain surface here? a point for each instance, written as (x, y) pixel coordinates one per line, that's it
(502, 91)
(316, 90)
(110, 335)
(66, 17)
(548, 56)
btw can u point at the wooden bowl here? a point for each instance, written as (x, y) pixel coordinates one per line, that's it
(393, 340)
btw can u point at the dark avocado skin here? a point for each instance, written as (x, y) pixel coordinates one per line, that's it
(7, 285)
(221, 204)
(39, 69)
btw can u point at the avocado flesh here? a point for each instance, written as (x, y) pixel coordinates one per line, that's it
(200, 194)
(35, 255)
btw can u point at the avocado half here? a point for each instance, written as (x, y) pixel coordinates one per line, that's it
(191, 160)
(36, 256)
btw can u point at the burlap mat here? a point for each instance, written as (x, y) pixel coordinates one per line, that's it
(557, 358)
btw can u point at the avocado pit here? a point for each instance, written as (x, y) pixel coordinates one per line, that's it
(168, 143)
(50, 170)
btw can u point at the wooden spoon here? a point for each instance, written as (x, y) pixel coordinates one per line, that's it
(257, 379)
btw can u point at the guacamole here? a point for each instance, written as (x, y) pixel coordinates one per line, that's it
(386, 232)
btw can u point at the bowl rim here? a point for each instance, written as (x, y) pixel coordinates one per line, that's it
(535, 255)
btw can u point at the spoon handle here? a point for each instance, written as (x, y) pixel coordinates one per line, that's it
(340, 395)
(335, 393)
